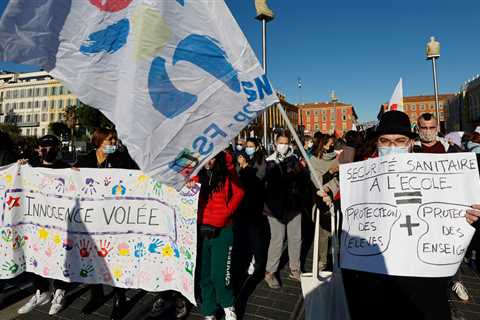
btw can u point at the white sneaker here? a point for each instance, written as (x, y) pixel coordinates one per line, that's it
(460, 290)
(38, 299)
(230, 313)
(58, 302)
(251, 267)
(210, 318)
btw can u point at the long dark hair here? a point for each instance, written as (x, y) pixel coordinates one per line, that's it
(322, 141)
(259, 155)
(213, 179)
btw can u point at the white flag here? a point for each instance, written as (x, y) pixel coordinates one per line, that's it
(178, 78)
(396, 101)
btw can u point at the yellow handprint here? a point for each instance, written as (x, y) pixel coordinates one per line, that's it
(42, 234)
(57, 239)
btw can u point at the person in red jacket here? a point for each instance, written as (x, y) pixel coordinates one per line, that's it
(220, 196)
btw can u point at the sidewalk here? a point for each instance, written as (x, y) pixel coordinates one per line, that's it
(263, 304)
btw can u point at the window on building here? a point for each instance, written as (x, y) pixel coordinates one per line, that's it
(29, 104)
(34, 131)
(344, 117)
(52, 117)
(69, 102)
(29, 118)
(14, 105)
(37, 92)
(7, 95)
(413, 107)
(344, 126)
(21, 105)
(432, 107)
(52, 103)
(60, 90)
(53, 91)
(422, 107)
(28, 132)
(36, 117)
(44, 117)
(37, 104)
(332, 115)
(15, 94)
(30, 92)
(22, 93)
(43, 131)
(307, 113)
(60, 116)
(60, 104)
(45, 91)
(44, 105)
(19, 118)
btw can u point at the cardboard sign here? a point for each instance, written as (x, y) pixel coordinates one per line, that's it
(405, 214)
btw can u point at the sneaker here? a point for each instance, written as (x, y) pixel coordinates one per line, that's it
(57, 302)
(460, 290)
(251, 267)
(210, 318)
(230, 313)
(180, 308)
(38, 299)
(295, 275)
(272, 281)
(159, 307)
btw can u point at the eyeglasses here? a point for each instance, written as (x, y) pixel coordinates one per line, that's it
(402, 141)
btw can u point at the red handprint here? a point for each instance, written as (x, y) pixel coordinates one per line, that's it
(168, 274)
(84, 248)
(104, 249)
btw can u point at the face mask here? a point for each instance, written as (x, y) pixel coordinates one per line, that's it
(239, 147)
(473, 147)
(282, 148)
(385, 151)
(330, 149)
(329, 155)
(310, 145)
(250, 151)
(428, 136)
(109, 149)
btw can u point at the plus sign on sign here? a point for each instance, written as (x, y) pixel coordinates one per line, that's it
(405, 214)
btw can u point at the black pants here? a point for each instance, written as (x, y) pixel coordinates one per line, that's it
(43, 284)
(376, 296)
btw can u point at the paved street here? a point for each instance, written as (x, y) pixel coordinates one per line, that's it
(262, 304)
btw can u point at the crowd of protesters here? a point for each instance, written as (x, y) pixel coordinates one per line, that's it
(250, 214)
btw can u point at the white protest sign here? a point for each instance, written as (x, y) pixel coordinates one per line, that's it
(111, 226)
(405, 214)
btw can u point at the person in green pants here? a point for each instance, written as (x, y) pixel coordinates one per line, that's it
(220, 196)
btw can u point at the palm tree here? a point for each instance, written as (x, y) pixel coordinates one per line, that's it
(71, 121)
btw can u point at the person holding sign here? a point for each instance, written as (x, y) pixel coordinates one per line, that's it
(48, 147)
(406, 297)
(325, 164)
(430, 142)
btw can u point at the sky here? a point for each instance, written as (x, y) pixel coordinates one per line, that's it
(360, 49)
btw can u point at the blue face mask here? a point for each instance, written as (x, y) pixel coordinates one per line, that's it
(109, 149)
(250, 151)
(385, 151)
(473, 147)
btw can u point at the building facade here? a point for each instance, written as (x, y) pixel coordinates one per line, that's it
(275, 121)
(464, 107)
(327, 117)
(32, 101)
(414, 106)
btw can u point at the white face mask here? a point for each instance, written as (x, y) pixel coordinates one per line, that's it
(428, 136)
(310, 144)
(282, 148)
(239, 147)
(385, 151)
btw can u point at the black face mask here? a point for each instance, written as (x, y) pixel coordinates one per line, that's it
(48, 156)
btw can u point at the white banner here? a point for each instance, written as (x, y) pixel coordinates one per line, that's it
(178, 78)
(110, 226)
(405, 214)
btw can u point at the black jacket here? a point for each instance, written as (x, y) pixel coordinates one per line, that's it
(116, 160)
(286, 187)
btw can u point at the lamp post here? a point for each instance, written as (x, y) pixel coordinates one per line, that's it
(433, 53)
(265, 15)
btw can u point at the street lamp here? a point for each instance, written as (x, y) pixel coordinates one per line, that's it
(265, 15)
(433, 53)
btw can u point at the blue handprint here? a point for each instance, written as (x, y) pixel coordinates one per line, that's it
(176, 252)
(60, 187)
(89, 186)
(153, 247)
(139, 250)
